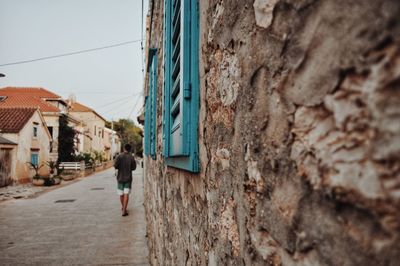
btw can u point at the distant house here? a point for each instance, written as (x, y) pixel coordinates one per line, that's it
(94, 125)
(51, 105)
(24, 138)
(112, 143)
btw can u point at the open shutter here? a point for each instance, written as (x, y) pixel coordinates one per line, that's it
(147, 126)
(178, 57)
(181, 100)
(153, 108)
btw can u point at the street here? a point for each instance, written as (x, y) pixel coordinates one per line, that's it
(79, 224)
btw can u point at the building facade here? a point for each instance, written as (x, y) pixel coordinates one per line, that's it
(93, 125)
(112, 143)
(27, 132)
(51, 105)
(272, 132)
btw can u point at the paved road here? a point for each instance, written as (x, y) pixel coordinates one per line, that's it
(87, 231)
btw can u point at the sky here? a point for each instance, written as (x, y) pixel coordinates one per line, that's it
(108, 80)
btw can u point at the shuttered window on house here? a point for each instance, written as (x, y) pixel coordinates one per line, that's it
(35, 158)
(181, 84)
(151, 106)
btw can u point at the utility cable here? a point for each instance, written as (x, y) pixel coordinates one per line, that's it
(116, 101)
(134, 106)
(71, 53)
(122, 104)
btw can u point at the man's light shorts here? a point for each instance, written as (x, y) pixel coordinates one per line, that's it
(124, 188)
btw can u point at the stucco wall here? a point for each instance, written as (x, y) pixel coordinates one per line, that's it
(92, 141)
(52, 120)
(299, 138)
(22, 172)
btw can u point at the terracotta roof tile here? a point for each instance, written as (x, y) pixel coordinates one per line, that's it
(37, 92)
(27, 101)
(78, 107)
(12, 120)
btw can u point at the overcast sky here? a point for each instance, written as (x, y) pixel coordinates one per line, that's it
(109, 80)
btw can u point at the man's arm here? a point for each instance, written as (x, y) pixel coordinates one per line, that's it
(117, 163)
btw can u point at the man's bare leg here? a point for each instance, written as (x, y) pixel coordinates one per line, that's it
(125, 204)
(121, 199)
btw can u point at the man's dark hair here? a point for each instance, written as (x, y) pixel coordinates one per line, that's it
(128, 147)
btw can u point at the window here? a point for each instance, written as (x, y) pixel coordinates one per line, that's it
(35, 158)
(181, 84)
(35, 130)
(151, 107)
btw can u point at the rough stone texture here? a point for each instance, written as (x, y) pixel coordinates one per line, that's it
(299, 138)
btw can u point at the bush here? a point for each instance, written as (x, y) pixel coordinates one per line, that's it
(86, 156)
(99, 156)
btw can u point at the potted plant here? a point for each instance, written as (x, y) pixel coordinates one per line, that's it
(37, 180)
(53, 166)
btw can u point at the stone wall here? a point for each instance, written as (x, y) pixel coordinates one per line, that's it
(299, 138)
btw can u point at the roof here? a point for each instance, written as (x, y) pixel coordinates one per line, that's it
(6, 141)
(28, 97)
(78, 107)
(37, 92)
(12, 120)
(27, 101)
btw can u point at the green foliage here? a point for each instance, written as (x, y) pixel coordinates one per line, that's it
(99, 156)
(52, 165)
(66, 149)
(129, 133)
(86, 156)
(35, 167)
(91, 158)
(59, 170)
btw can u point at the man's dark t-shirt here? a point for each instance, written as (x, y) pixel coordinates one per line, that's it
(125, 164)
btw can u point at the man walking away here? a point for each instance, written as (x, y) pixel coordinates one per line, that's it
(125, 164)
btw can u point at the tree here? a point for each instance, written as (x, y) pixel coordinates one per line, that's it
(129, 133)
(66, 136)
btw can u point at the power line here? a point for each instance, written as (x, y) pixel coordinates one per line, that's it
(117, 101)
(133, 108)
(71, 53)
(112, 109)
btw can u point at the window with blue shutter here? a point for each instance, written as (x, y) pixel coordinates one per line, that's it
(181, 84)
(34, 158)
(146, 148)
(151, 106)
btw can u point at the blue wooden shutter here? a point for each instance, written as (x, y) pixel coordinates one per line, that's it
(147, 126)
(178, 118)
(153, 108)
(35, 158)
(181, 101)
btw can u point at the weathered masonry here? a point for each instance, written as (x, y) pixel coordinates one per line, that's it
(272, 132)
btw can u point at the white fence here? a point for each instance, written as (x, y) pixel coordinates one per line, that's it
(77, 166)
